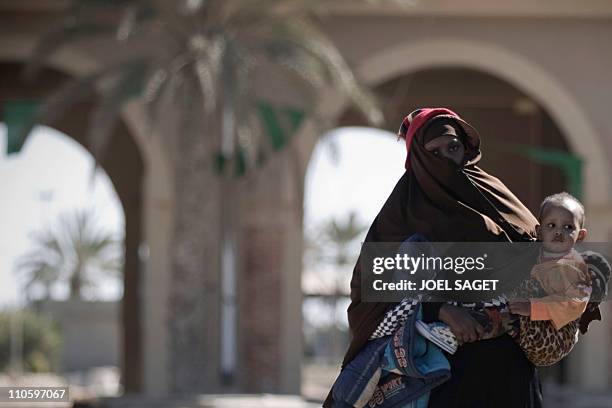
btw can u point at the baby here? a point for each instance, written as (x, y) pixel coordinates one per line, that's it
(560, 280)
(561, 272)
(559, 286)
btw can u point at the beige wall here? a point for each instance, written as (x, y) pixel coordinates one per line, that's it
(90, 333)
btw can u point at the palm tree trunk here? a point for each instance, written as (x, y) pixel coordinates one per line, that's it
(194, 287)
(76, 282)
(47, 296)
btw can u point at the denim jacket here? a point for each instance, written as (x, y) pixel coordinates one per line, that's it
(395, 371)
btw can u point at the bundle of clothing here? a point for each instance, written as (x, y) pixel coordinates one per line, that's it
(393, 371)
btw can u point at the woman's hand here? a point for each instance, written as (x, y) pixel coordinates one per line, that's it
(465, 328)
(520, 308)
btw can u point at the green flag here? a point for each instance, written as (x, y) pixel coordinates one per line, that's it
(17, 115)
(569, 163)
(279, 125)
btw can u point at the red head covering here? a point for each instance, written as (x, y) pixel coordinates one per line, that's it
(419, 118)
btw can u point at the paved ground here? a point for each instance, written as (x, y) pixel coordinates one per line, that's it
(211, 401)
(317, 379)
(566, 397)
(90, 388)
(561, 398)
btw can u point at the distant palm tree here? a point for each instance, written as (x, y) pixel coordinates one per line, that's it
(78, 253)
(334, 245)
(210, 48)
(341, 235)
(333, 241)
(41, 267)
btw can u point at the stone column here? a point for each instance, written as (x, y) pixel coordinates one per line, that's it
(269, 291)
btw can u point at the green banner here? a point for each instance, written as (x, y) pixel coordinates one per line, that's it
(280, 124)
(18, 115)
(569, 163)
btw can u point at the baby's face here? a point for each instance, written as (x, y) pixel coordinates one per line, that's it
(559, 227)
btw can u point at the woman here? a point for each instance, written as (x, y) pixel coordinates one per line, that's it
(445, 197)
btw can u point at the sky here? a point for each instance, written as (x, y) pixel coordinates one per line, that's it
(368, 164)
(351, 169)
(50, 176)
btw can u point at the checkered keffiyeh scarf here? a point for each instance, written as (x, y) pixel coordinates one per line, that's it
(399, 313)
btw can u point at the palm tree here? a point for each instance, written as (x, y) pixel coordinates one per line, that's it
(193, 63)
(334, 245)
(342, 235)
(212, 46)
(41, 267)
(77, 253)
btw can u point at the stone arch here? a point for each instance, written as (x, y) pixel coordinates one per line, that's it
(520, 72)
(155, 194)
(517, 70)
(72, 62)
(124, 165)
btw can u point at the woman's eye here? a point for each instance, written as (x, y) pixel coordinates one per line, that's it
(550, 225)
(436, 152)
(569, 227)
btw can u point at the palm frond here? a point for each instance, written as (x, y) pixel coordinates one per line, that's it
(215, 45)
(306, 39)
(164, 73)
(126, 85)
(79, 24)
(208, 57)
(68, 94)
(135, 13)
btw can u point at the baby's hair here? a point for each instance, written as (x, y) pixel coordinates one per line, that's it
(559, 199)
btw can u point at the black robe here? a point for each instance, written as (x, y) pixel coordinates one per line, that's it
(450, 203)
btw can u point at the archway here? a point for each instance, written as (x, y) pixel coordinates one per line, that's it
(518, 71)
(62, 256)
(523, 115)
(517, 134)
(124, 165)
(349, 177)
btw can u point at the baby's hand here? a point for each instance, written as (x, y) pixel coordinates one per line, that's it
(520, 308)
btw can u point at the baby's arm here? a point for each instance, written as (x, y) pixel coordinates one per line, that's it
(520, 308)
(568, 295)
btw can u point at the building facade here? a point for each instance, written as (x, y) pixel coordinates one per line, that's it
(526, 73)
